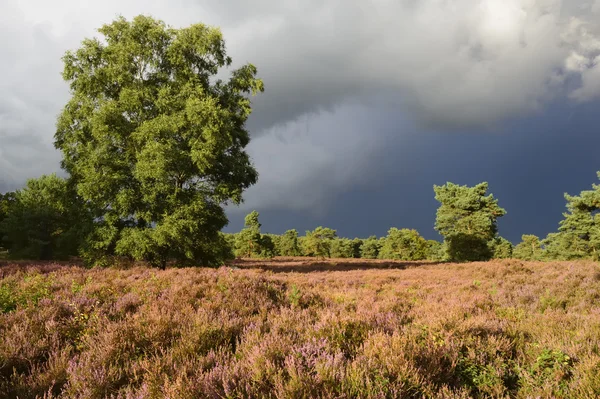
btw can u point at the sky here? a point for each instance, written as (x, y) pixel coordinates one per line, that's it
(367, 103)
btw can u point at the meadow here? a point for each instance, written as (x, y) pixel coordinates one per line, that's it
(298, 328)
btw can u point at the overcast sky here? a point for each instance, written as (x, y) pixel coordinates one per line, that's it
(368, 103)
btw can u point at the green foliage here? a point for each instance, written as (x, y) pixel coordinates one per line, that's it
(553, 366)
(486, 379)
(501, 248)
(6, 201)
(288, 244)
(249, 239)
(436, 251)
(461, 247)
(46, 220)
(345, 248)
(250, 243)
(556, 247)
(356, 247)
(31, 290)
(275, 242)
(579, 232)
(467, 220)
(230, 239)
(154, 143)
(530, 248)
(8, 298)
(318, 242)
(302, 246)
(370, 248)
(294, 296)
(267, 246)
(404, 244)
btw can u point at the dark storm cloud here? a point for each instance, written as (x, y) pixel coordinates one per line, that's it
(529, 164)
(452, 64)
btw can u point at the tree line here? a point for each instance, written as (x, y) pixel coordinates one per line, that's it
(153, 147)
(467, 221)
(45, 221)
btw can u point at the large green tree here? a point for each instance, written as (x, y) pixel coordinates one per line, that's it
(154, 142)
(467, 219)
(46, 220)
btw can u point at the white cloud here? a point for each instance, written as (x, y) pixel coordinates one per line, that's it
(585, 58)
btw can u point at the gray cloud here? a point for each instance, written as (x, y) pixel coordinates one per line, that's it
(305, 164)
(455, 64)
(317, 128)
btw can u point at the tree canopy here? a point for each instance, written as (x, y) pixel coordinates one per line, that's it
(467, 219)
(288, 244)
(46, 220)
(579, 232)
(530, 248)
(370, 248)
(153, 142)
(318, 242)
(404, 244)
(249, 241)
(6, 201)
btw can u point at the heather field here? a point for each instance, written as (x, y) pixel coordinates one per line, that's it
(294, 328)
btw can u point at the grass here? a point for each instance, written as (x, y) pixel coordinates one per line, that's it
(293, 328)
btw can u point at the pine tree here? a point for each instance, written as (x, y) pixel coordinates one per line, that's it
(467, 219)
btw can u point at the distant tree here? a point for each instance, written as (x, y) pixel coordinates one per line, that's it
(251, 221)
(435, 251)
(530, 248)
(557, 246)
(501, 248)
(267, 246)
(153, 141)
(249, 240)
(6, 201)
(467, 220)
(288, 244)
(46, 220)
(370, 248)
(302, 246)
(274, 245)
(342, 248)
(403, 244)
(318, 242)
(579, 232)
(356, 246)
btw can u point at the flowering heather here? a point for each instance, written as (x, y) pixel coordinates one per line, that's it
(295, 328)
